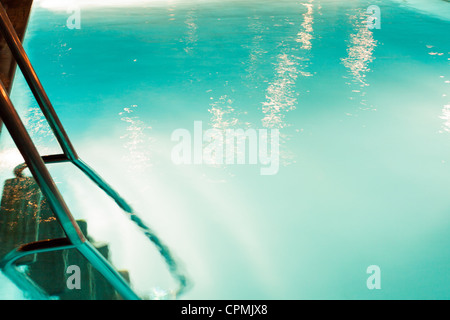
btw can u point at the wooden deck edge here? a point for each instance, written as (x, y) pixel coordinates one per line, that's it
(19, 13)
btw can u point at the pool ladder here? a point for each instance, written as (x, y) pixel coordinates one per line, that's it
(37, 165)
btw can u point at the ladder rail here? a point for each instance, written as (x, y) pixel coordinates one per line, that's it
(70, 155)
(23, 282)
(37, 166)
(19, 54)
(55, 200)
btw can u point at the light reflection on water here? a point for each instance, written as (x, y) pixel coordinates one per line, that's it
(137, 140)
(361, 48)
(191, 33)
(282, 93)
(305, 36)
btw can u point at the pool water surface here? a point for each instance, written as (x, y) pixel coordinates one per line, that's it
(363, 117)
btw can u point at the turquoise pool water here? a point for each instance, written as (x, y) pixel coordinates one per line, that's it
(364, 122)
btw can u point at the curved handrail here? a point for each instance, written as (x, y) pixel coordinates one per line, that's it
(180, 277)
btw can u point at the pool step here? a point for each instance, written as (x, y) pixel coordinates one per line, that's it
(19, 221)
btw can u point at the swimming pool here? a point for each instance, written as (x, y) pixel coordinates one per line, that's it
(363, 117)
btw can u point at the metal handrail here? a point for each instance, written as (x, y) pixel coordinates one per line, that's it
(55, 200)
(22, 280)
(19, 54)
(36, 165)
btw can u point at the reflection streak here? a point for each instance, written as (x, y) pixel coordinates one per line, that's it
(360, 49)
(136, 140)
(281, 94)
